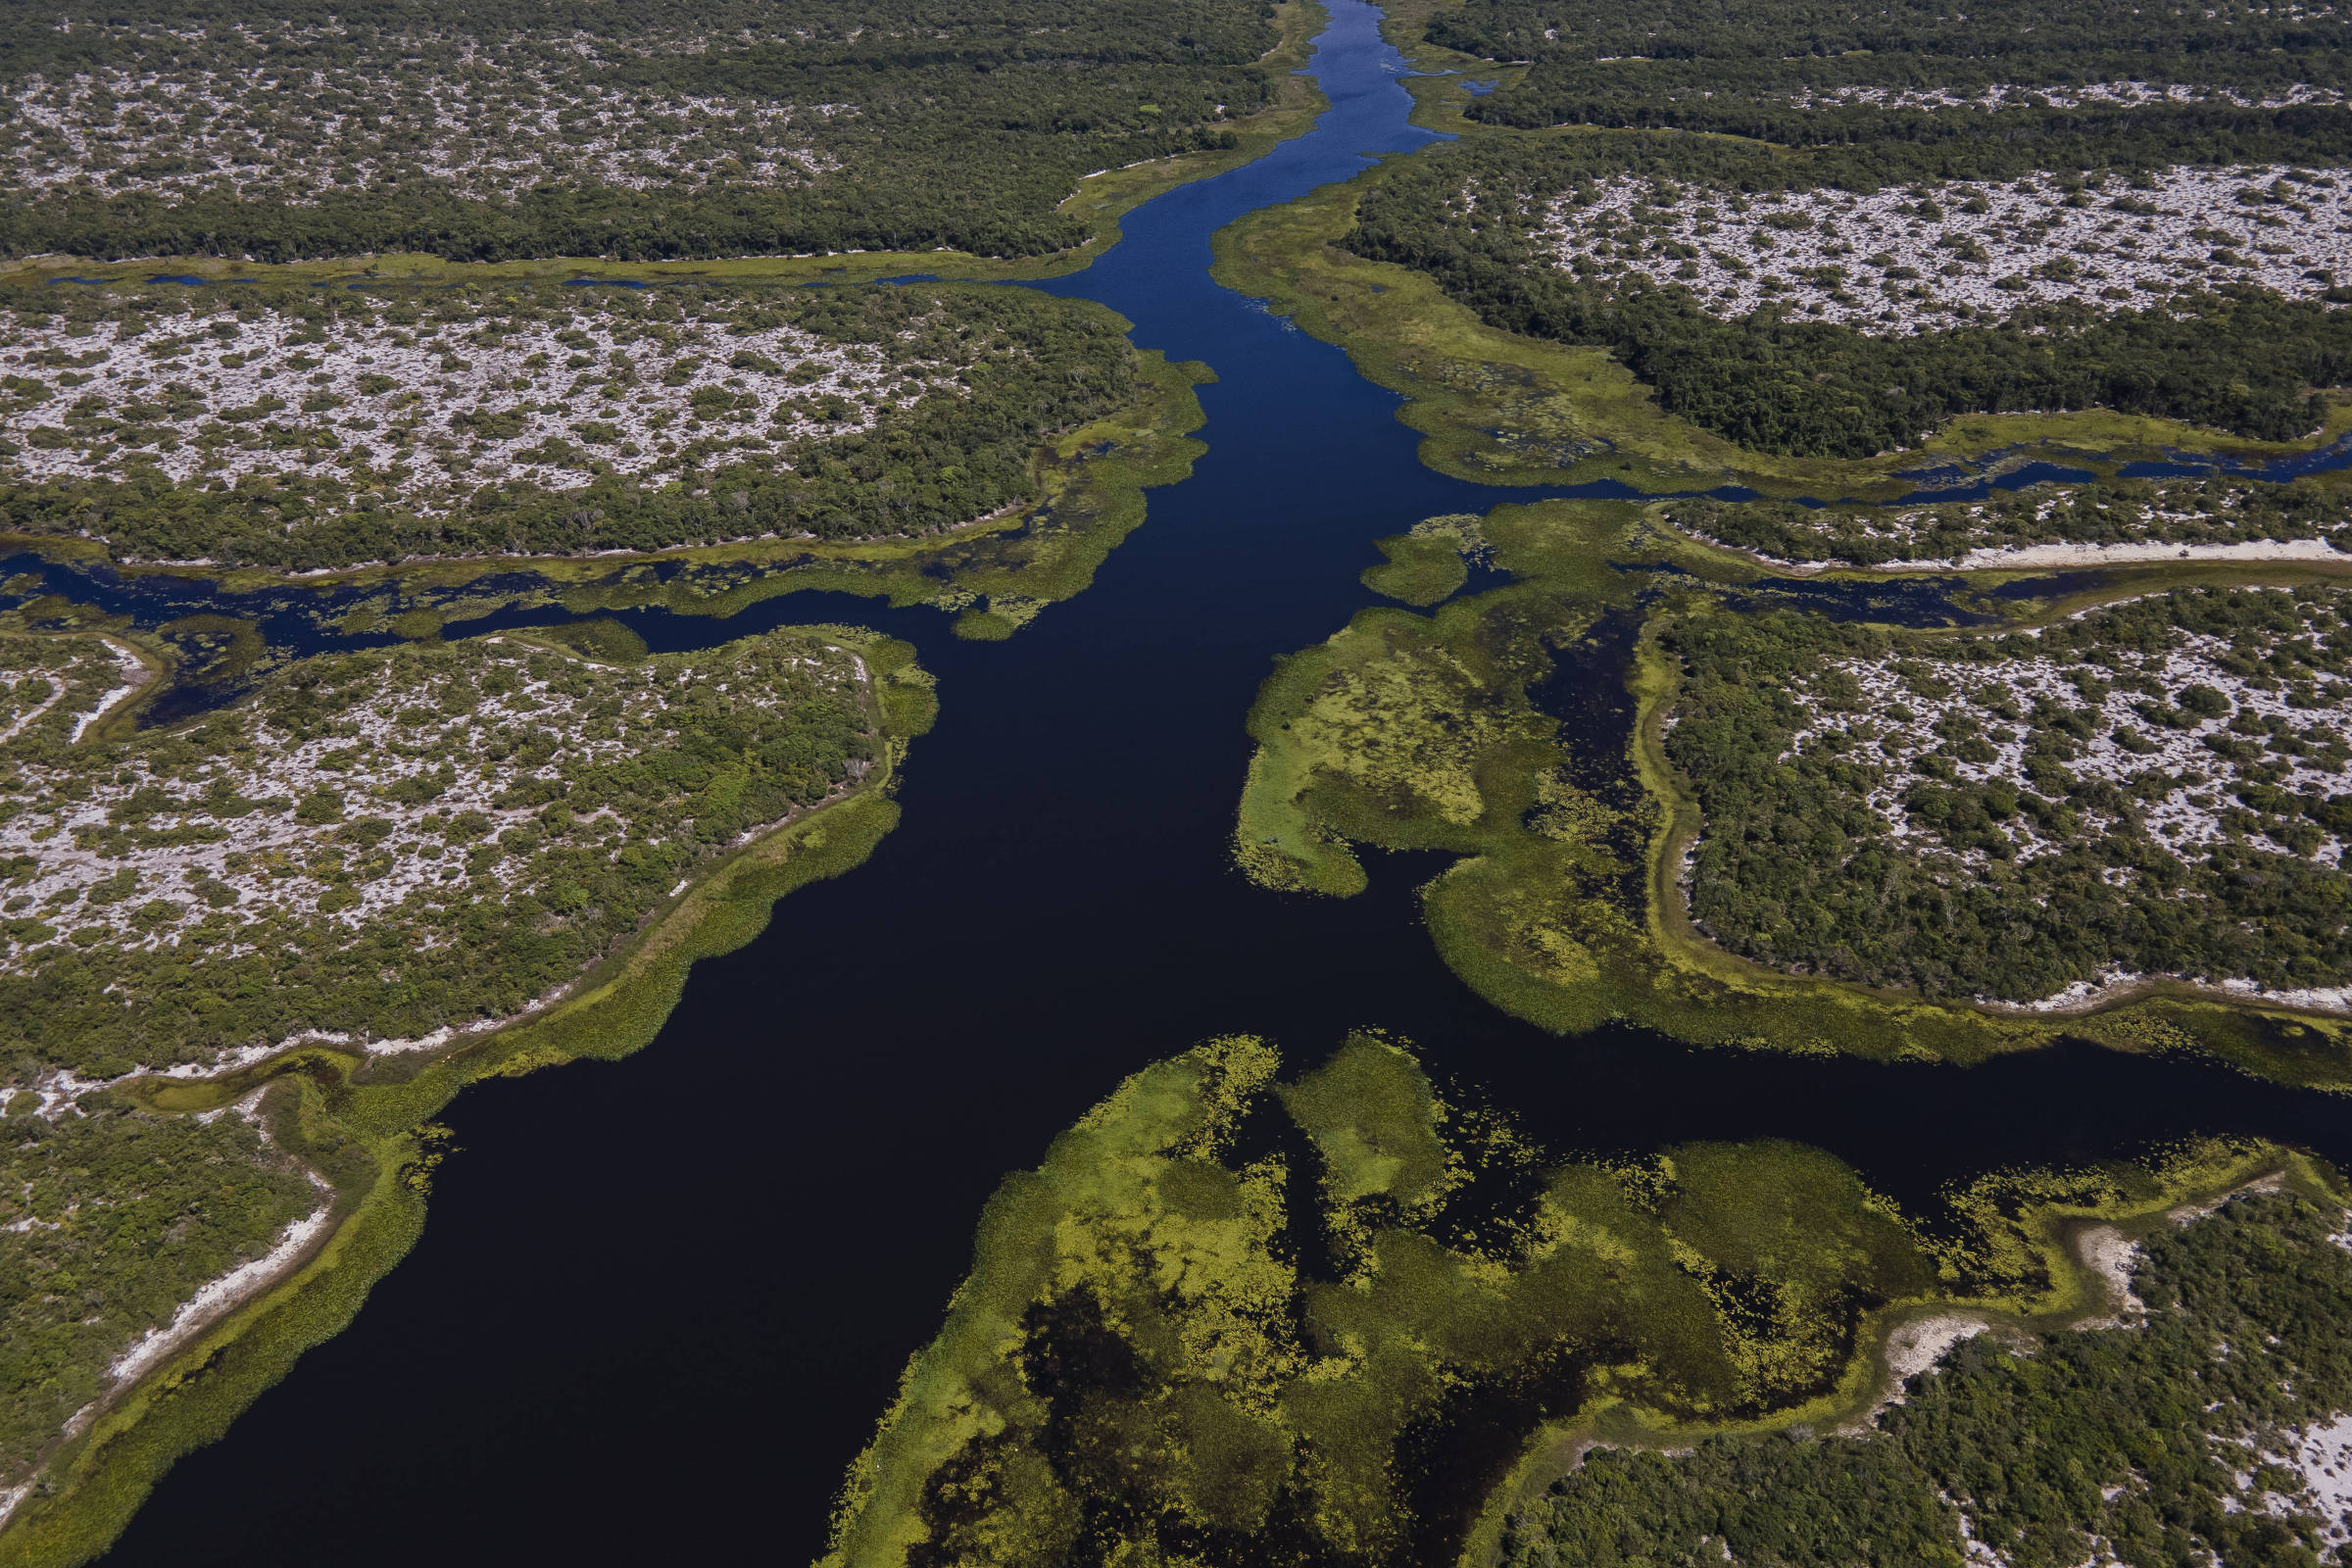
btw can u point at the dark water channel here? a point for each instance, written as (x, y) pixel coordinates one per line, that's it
(661, 1302)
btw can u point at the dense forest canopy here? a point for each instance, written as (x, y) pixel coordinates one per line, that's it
(110, 1220)
(2020, 35)
(2152, 788)
(612, 131)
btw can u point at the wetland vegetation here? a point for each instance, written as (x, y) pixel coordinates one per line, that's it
(1594, 746)
(1311, 1318)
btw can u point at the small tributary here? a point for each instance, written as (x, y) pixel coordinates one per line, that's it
(661, 1302)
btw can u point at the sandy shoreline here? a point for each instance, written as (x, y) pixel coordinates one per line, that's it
(2081, 555)
(2019, 557)
(2086, 996)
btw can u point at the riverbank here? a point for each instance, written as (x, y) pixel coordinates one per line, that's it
(1522, 729)
(1500, 409)
(993, 574)
(2284, 1204)
(379, 1107)
(1102, 200)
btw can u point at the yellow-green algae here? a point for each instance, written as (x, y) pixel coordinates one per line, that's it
(368, 1125)
(1144, 1365)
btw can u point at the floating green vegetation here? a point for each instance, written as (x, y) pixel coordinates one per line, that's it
(2211, 1429)
(1390, 732)
(1238, 1318)
(1431, 562)
(1526, 729)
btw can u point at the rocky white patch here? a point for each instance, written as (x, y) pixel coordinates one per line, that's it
(132, 858)
(2181, 786)
(425, 412)
(297, 125)
(1908, 261)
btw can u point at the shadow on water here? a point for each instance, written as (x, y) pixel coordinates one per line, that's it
(661, 1302)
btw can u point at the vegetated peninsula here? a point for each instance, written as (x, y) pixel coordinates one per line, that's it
(378, 846)
(477, 133)
(399, 854)
(2100, 807)
(304, 429)
(1901, 218)
(1187, 1335)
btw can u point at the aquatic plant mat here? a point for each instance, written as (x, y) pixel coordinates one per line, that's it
(1314, 1318)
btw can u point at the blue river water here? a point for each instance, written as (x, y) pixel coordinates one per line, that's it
(661, 1302)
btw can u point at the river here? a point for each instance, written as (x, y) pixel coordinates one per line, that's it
(661, 1302)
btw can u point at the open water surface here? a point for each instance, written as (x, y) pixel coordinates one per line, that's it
(661, 1302)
